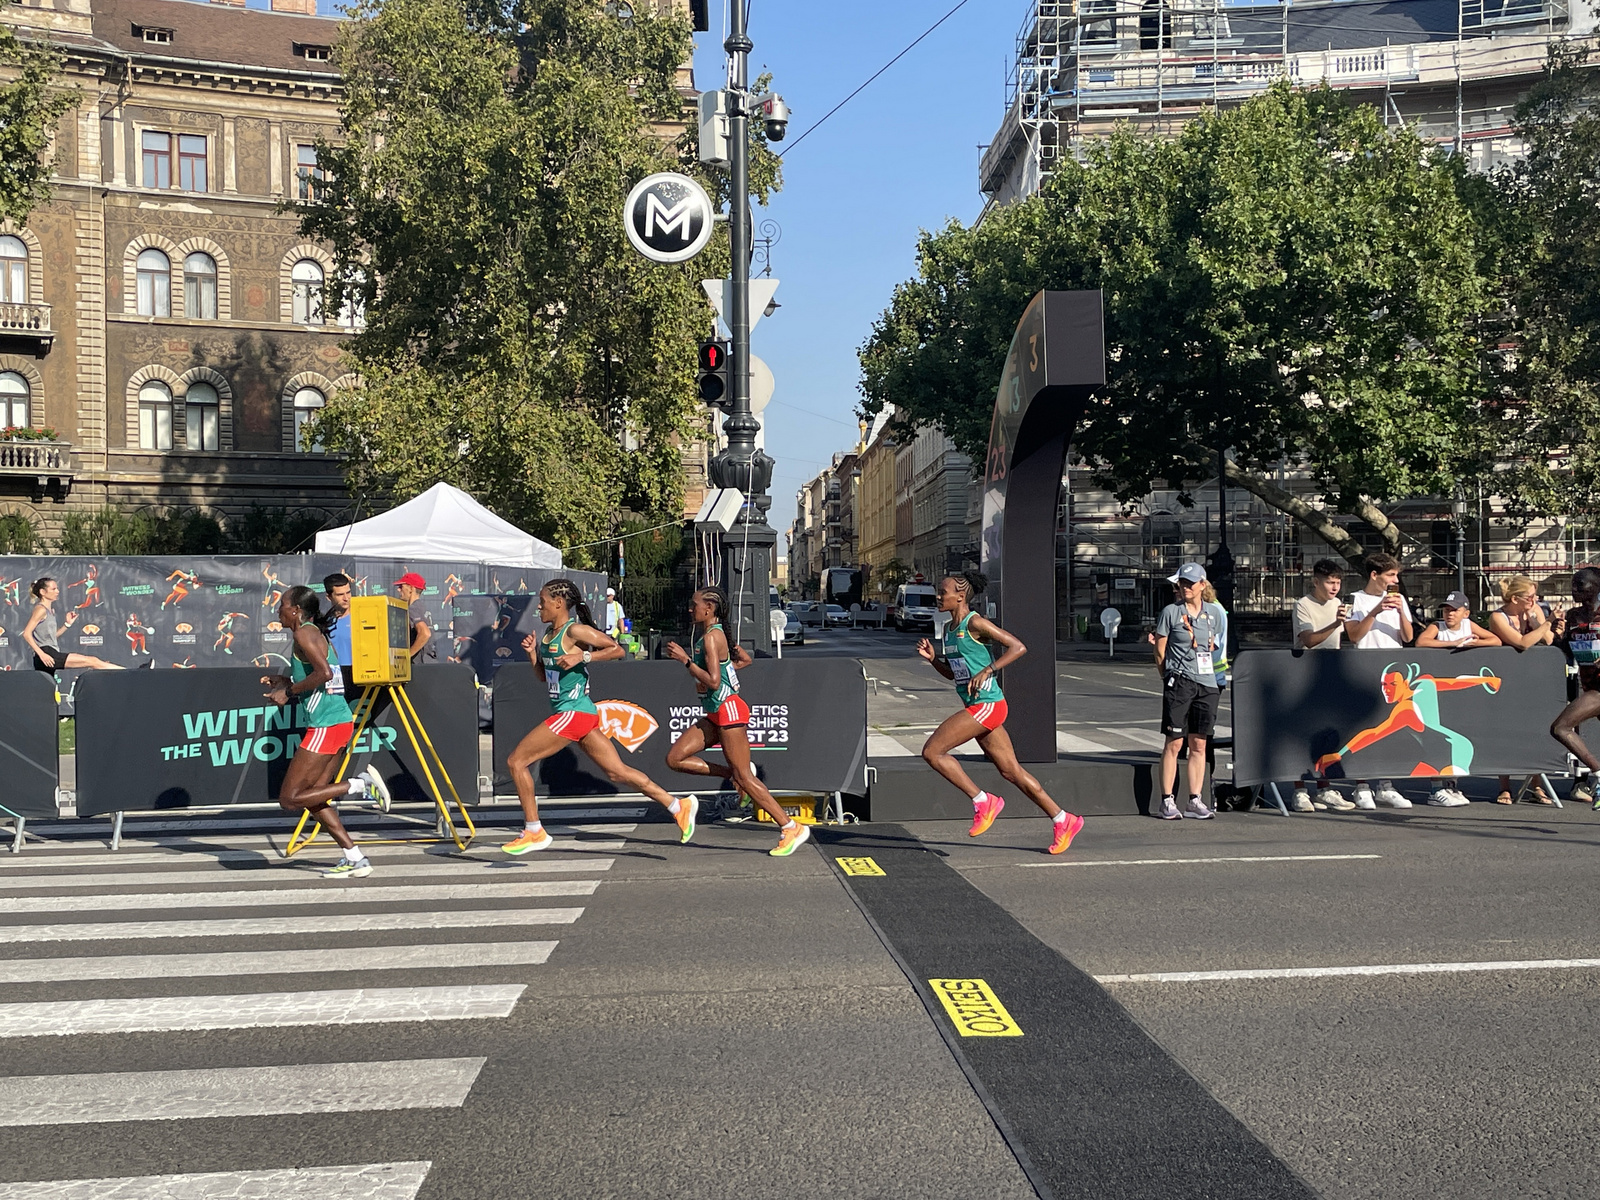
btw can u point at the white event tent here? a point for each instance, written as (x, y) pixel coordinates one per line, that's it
(444, 524)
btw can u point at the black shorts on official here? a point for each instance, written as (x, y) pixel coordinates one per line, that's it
(1188, 707)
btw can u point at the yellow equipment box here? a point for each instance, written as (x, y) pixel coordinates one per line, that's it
(380, 639)
(801, 808)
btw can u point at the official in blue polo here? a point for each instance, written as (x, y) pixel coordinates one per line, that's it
(1188, 640)
(336, 588)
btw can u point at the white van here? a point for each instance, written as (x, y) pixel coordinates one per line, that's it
(913, 607)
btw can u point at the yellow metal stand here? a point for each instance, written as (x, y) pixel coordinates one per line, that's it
(412, 724)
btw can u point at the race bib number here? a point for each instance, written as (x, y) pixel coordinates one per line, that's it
(552, 680)
(1202, 662)
(1584, 651)
(959, 671)
(733, 677)
(335, 684)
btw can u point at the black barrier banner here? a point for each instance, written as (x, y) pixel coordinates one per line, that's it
(29, 758)
(808, 724)
(158, 740)
(1385, 714)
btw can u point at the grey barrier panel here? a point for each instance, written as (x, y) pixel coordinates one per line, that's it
(1422, 712)
(152, 740)
(29, 762)
(808, 730)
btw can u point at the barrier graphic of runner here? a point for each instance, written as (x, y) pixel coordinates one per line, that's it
(1415, 697)
(275, 587)
(90, 584)
(224, 640)
(137, 633)
(183, 582)
(9, 591)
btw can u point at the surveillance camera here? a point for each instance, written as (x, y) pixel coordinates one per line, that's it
(775, 118)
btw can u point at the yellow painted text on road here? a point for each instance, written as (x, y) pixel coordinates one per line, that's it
(974, 1008)
(859, 866)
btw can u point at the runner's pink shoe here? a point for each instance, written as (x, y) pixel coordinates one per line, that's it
(1065, 831)
(986, 810)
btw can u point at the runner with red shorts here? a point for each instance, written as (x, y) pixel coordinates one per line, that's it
(726, 719)
(564, 653)
(314, 680)
(965, 658)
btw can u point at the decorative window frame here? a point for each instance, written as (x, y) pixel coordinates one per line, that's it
(130, 272)
(25, 368)
(35, 250)
(224, 273)
(213, 157)
(286, 284)
(130, 415)
(304, 379)
(224, 405)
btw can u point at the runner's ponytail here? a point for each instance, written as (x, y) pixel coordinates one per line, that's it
(566, 590)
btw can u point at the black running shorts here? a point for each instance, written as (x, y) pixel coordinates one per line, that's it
(1188, 707)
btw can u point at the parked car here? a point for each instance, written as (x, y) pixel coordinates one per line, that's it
(794, 633)
(835, 614)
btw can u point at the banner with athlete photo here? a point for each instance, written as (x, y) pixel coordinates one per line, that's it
(808, 724)
(1391, 714)
(153, 740)
(29, 756)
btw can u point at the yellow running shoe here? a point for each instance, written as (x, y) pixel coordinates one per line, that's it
(1065, 832)
(688, 810)
(528, 842)
(791, 839)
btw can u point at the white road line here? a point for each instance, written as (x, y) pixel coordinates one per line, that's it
(116, 931)
(1167, 862)
(881, 745)
(367, 894)
(452, 955)
(487, 870)
(262, 1010)
(1534, 964)
(213, 841)
(1069, 743)
(237, 1092)
(374, 1181)
(1144, 737)
(1142, 691)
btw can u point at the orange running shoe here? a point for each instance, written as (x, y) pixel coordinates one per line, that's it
(527, 843)
(1065, 832)
(986, 810)
(688, 810)
(793, 837)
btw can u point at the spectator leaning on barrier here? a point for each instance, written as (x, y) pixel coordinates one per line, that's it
(1187, 639)
(1454, 630)
(1581, 639)
(336, 588)
(1520, 623)
(410, 587)
(1380, 619)
(1318, 624)
(614, 615)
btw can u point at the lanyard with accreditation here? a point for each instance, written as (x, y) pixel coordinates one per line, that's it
(1202, 658)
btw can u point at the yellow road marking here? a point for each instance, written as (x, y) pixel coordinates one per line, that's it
(859, 866)
(974, 1008)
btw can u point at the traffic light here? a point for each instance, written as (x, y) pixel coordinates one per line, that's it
(712, 384)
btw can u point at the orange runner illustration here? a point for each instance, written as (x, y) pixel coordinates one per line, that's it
(183, 582)
(90, 584)
(1416, 707)
(224, 640)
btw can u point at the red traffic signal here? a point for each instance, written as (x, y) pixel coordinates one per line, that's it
(712, 384)
(713, 356)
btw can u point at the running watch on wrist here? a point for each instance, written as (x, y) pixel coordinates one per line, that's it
(586, 657)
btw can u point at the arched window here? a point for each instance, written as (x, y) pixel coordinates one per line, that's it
(200, 287)
(353, 312)
(155, 416)
(13, 399)
(200, 417)
(306, 279)
(155, 284)
(307, 403)
(13, 271)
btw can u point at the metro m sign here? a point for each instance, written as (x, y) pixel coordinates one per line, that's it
(668, 217)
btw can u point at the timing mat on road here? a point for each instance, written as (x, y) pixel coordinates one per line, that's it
(1089, 1103)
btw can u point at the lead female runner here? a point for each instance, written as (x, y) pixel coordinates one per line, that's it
(314, 680)
(972, 665)
(726, 719)
(570, 643)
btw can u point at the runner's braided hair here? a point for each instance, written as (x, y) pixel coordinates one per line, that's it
(38, 586)
(968, 583)
(566, 590)
(310, 608)
(718, 598)
(1587, 577)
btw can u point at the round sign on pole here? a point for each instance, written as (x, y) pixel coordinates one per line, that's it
(762, 384)
(668, 217)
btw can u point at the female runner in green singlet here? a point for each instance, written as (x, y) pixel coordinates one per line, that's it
(564, 653)
(968, 661)
(315, 682)
(726, 719)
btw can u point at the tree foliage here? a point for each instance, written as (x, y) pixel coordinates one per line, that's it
(30, 106)
(1288, 279)
(515, 344)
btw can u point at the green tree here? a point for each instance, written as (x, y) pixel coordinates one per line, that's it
(515, 343)
(1288, 279)
(30, 106)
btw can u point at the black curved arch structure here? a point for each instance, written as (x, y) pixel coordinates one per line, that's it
(1057, 360)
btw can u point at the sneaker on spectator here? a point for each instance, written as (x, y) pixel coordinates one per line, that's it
(1301, 801)
(1441, 798)
(1582, 791)
(1390, 798)
(1331, 798)
(1169, 809)
(1458, 798)
(1197, 810)
(1363, 797)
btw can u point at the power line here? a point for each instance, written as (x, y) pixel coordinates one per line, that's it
(962, 4)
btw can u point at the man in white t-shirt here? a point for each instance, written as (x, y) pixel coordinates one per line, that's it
(1380, 619)
(1318, 624)
(614, 615)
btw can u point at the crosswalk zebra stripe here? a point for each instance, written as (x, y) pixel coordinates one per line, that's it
(373, 1181)
(881, 745)
(1144, 737)
(262, 1010)
(1071, 743)
(237, 1092)
(306, 873)
(448, 955)
(101, 931)
(346, 894)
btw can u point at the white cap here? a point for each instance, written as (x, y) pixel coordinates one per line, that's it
(611, 591)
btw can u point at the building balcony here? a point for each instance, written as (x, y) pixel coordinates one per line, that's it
(29, 321)
(44, 461)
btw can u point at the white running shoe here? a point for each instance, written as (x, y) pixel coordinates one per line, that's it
(377, 789)
(1301, 801)
(1363, 797)
(1390, 798)
(1330, 798)
(1458, 798)
(1440, 798)
(1196, 809)
(1169, 809)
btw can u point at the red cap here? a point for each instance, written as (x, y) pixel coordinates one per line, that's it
(415, 580)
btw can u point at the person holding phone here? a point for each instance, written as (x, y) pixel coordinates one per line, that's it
(1380, 619)
(1318, 624)
(1522, 623)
